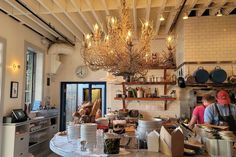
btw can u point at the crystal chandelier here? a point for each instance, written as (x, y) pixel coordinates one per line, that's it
(116, 51)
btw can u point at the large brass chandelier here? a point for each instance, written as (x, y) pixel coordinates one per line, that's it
(116, 51)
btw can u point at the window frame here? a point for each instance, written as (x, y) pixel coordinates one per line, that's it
(37, 50)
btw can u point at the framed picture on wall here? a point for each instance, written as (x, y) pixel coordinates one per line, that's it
(14, 89)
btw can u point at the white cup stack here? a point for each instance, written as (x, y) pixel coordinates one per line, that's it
(73, 131)
(88, 134)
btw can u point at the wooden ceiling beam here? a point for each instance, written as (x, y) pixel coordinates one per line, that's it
(26, 21)
(106, 8)
(88, 2)
(228, 10)
(69, 17)
(218, 6)
(148, 9)
(59, 19)
(160, 11)
(135, 18)
(171, 16)
(203, 9)
(12, 4)
(190, 6)
(81, 14)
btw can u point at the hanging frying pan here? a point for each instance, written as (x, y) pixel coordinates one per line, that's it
(201, 75)
(218, 75)
(181, 81)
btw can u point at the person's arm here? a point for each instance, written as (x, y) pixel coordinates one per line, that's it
(194, 118)
(192, 121)
(208, 115)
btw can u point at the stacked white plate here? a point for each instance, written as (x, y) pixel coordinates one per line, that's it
(88, 134)
(146, 126)
(73, 131)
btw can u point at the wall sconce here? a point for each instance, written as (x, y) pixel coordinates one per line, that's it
(15, 67)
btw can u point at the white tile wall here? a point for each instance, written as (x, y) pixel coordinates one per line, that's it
(210, 38)
(205, 39)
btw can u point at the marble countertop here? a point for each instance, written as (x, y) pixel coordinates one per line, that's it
(61, 146)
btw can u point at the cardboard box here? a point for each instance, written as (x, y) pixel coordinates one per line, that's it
(172, 142)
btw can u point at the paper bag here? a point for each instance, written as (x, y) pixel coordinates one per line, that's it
(153, 141)
(172, 142)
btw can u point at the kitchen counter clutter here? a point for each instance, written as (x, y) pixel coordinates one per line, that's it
(151, 138)
(61, 146)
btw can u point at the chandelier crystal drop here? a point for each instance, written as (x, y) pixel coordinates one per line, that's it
(116, 51)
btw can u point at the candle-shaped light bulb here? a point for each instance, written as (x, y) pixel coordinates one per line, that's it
(169, 38)
(129, 33)
(112, 20)
(89, 44)
(87, 36)
(96, 27)
(146, 24)
(146, 57)
(107, 38)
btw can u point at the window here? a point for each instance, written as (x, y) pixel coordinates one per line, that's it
(33, 79)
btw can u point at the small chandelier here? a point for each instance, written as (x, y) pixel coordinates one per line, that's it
(116, 51)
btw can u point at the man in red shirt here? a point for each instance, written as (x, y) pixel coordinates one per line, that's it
(198, 112)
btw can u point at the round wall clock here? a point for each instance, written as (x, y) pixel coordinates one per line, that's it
(81, 71)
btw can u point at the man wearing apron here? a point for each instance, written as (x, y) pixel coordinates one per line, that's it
(222, 112)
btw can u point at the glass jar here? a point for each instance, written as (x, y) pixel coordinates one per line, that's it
(111, 143)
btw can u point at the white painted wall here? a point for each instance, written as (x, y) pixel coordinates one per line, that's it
(16, 36)
(2, 73)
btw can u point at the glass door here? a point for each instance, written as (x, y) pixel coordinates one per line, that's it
(73, 95)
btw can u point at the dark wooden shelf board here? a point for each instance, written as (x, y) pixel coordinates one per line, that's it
(211, 85)
(147, 99)
(148, 83)
(160, 67)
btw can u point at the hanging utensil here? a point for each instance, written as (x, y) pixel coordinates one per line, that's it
(189, 79)
(218, 75)
(232, 77)
(201, 75)
(181, 81)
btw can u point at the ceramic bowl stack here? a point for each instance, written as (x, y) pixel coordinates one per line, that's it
(146, 126)
(88, 134)
(227, 135)
(73, 131)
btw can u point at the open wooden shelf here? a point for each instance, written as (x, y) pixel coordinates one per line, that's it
(149, 83)
(165, 84)
(156, 66)
(147, 99)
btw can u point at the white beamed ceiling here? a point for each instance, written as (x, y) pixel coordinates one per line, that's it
(73, 18)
